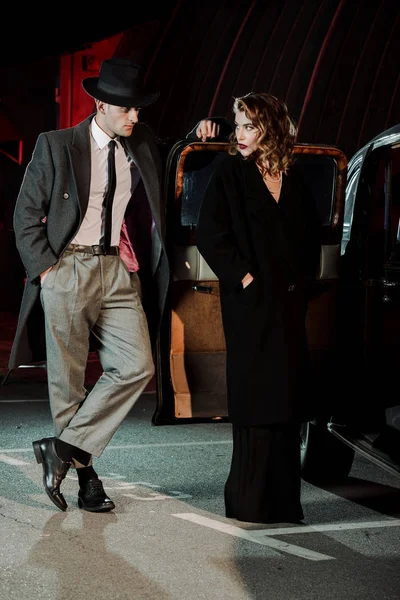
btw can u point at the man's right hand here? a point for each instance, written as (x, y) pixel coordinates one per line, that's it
(44, 274)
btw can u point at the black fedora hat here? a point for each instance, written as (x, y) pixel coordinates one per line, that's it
(119, 83)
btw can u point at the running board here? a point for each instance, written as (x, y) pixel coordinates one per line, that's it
(364, 447)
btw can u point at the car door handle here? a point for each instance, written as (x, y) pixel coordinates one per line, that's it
(204, 289)
(387, 284)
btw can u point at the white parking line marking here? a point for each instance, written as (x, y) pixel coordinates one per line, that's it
(169, 445)
(248, 535)
(21, 401)
(25, 401)
(328, 527)
(12, 461)
(141, 486)
(136, 446)
(152, 494)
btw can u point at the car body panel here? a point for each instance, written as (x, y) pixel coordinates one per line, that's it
(356, 166)
(367, 413)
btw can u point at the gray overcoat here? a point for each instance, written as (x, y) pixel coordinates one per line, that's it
(50, 207)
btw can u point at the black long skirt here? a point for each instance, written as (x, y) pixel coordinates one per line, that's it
(264, 482)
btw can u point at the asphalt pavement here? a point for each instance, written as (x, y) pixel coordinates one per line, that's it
(168, 537)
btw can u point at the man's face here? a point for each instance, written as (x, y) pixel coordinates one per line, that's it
(116, 120)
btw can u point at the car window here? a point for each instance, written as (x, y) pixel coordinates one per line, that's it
(198, 169)
(319, 174)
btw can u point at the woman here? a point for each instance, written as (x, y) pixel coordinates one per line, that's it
(259, 232)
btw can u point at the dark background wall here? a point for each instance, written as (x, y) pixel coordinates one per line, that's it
(335, 63)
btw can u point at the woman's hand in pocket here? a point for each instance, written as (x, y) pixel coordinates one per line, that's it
(247, 279)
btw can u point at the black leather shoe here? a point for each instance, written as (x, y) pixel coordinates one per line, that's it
(54, 469)
(93, 498)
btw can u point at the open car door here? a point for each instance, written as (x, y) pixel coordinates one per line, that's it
(190, 354)
(370, 283)
(365, 415)
(369, 303)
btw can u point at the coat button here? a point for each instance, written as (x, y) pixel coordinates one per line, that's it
(291, 288)
(66, 196)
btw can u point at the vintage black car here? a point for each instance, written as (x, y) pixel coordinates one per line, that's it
(353, 321)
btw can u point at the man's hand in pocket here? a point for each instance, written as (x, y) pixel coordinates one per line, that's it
(44, 274)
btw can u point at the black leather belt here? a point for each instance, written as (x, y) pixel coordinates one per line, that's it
(95, 250)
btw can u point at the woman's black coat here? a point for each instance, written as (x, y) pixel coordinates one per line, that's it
(242, 229)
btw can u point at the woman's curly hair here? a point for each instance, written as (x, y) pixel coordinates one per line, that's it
(277, 131)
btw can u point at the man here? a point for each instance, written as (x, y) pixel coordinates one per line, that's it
(74, 199)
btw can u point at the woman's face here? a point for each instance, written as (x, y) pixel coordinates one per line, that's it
(246, 134)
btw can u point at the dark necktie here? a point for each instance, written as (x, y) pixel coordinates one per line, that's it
(109, 196)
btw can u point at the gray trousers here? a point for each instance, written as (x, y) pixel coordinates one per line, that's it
(85, 294)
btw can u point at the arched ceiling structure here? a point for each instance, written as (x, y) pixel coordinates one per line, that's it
(334, 62)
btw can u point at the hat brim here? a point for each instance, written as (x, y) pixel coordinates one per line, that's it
(139, 100)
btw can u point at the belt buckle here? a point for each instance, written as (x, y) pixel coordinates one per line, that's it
(98, 249)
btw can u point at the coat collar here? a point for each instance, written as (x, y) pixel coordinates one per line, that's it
(268, 212)
(78, 153)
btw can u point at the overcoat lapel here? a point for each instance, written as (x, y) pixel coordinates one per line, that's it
(268, 213)
(79, 157)
(143, 157)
